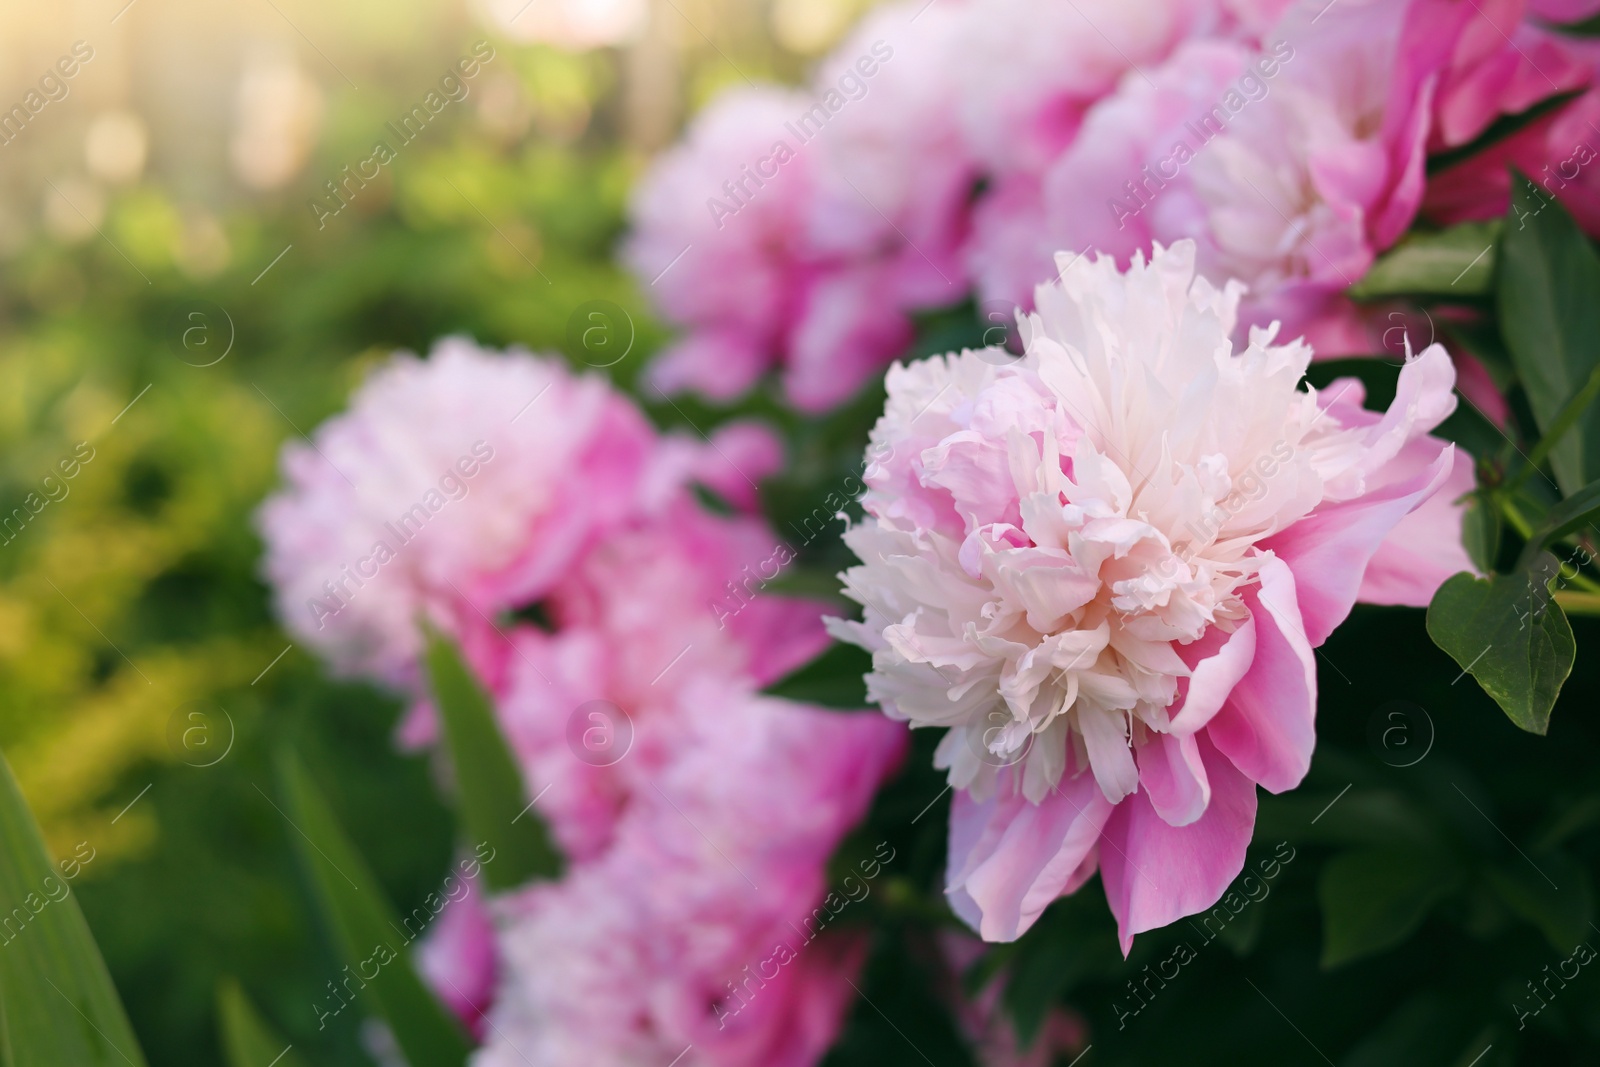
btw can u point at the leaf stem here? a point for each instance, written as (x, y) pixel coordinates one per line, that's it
(1578, 603)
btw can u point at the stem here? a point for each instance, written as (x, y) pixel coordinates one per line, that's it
(1563, 422)
(1579, 603)
(1513, 516)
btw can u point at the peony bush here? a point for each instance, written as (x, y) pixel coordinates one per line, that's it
(1187, 327)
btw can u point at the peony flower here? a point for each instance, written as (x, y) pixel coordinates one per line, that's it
(703, 933)
(452, 488)
(466, 485)
(1507, 63)
(456, 957)
(1292, 164)
(797, 229)
(590, 705)
(1104, 568)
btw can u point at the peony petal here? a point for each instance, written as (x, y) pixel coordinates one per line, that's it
(1330, 549)
(1218, 660)
(1267, 727)
(1155, 873)
(1009, 859)
(1173, 778)
(1424, 548)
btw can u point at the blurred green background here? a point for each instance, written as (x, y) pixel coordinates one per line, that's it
(164, 186)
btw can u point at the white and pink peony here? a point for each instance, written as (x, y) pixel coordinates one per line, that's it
(1105, 566)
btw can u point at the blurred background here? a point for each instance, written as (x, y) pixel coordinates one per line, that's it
(172, 307)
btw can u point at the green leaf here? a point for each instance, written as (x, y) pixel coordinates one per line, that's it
(366, 930)
(1549, 303)
(1555, 896)
(247, 1040)
(57, 1003)
(494, 803)
(1572, 514)
(1374, 898)
(832, 680)
(1510, 635)
(1458, 262)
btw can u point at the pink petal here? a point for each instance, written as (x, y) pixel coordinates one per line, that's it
(1330, 549)
(1173, 778)
(1267, 728)
(1424, 548)
(1219, 660)
(1155, 873)
(1010, 858)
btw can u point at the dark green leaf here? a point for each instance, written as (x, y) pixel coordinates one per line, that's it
(57, 1004)
(247, 1040)
(1458, 262)
(1549, 303)
(366, 929)
(1373, 899)
(1555, 896)
(1572, 514)
(495, 806)
(1508, 632)
(832, 680)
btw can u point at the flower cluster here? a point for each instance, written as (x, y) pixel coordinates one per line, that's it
(539, 519)
(804, 229)
(1105, 567)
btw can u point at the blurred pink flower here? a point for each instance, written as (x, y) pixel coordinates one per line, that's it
(1104, 567)
(1062, 1034)
(798, 229)
(456, 957)
(696, 934)
(1292, 165)
(464, 484)
(590, 707)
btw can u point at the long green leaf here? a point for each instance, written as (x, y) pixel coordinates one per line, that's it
(366, 930)
(1549, 303)
(495, 807)
(247, 1040)
(1577, 511)
(57, 1003)
(1508, 632)
(1454, 263)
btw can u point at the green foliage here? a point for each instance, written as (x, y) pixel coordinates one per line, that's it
(366, 929)
(1373, 899)
(1505, 631)
(57, 1004)
(832, 680)
(1549, 278)
(493, 799)
(246, 1038)
(1456, 263)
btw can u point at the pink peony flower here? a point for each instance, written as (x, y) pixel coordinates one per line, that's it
(703, 932)
(1104, 568)
(1292, 165)
(452, 488)
(456, 957)
(590, 707)
(798, 229)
